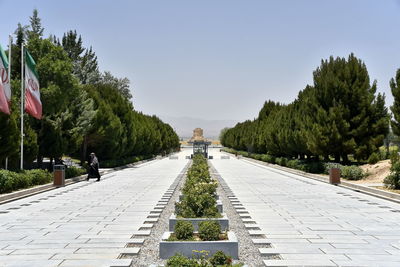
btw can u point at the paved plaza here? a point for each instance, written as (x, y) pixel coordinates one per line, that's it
(310, 223)
(87, 223)
(306, 222)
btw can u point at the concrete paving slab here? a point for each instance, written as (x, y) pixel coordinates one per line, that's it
(87, 223)
(286, 206)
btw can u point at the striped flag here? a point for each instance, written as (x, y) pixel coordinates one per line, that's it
(5, 89)
(33, 105)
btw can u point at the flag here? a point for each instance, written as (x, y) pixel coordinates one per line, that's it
(5, 90)
(33, 105)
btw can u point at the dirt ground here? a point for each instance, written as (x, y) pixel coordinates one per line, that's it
(376, 172)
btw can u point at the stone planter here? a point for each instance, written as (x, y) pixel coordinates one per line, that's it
(219, 207)
(170, 248)
(223, 222)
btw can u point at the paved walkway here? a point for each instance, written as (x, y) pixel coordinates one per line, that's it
(310, 223)
(88, 223)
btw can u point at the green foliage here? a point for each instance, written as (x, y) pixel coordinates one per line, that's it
(38, 177)
(180, 261)
(124, 161)
(199, 192)
(217, 260)
(11, 181)
(82, 109)
(281, 161)
(393, 179)
(195, 205)
(183, 230)
(352, 172)
(373, 158)
(73, 171)
(220, 258)
(209, 230)
(395, 108)
(339, 115)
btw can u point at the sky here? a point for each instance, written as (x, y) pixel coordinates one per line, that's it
(220, 60)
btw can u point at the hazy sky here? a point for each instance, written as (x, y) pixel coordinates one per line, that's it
(215, 59)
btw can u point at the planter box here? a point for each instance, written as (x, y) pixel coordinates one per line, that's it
(170, 248)
(224, 222)
(219, 207)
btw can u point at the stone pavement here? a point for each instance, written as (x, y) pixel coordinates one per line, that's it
(87, 223)
(310, 223)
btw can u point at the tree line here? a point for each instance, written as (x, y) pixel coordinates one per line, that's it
(340, 115)
(84, 110)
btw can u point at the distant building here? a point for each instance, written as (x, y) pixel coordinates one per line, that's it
(200, 144)
(197, 135)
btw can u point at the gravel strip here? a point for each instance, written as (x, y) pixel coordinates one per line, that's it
(248, 252)
(149, 252)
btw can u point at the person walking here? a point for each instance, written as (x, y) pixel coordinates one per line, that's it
(93, 167)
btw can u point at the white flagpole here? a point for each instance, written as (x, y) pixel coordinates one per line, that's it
(22, 106)
(9, 73)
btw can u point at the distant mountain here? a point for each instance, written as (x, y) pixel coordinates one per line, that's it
(184, 126)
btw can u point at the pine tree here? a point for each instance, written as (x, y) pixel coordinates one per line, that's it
(36, 26)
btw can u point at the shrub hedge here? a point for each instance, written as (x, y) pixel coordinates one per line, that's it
(112, 163)
(199, 192)
(12, 181)
(74, 172)
(349, 172)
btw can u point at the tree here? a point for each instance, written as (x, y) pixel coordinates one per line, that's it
(88, 68)
(36, 30)
(122, 84)
(72, 44)
(395, 108)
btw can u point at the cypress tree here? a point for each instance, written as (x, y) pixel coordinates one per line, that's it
(395, 108)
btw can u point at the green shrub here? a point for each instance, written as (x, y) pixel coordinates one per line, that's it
(268, 158)
(199, 192)
(209, 230)
(295, 164)
(6, 181)
(330, 165)
(112, 163)
(373, 158)
(195, 205)
(74, 172)
(180, 261)
(393, 179)
(12, 181)
(183, 230)
(281, 161)
(38, 177)
(219, 258)
(352, 172)
(314, 167)
(21, 180)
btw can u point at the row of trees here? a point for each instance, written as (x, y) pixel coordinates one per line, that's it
(339, 115)
(83, 109)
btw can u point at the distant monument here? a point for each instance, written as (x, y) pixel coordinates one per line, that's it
(200, 144)
(197, 135)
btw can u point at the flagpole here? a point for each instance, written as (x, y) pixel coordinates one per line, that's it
(22, 106)
(9, 73)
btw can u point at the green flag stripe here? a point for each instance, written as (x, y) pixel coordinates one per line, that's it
(3, 57)
(31, 63)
